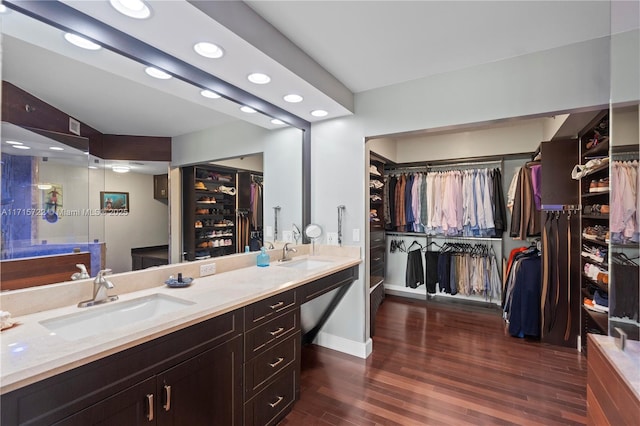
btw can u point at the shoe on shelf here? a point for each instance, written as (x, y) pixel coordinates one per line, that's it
(198, 224)
(200, 185)
(374, 170)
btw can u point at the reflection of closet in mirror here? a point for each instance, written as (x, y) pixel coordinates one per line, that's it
(112, 94)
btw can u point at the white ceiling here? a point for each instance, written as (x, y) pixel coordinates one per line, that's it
(364, 44)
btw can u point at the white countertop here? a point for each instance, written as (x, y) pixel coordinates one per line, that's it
(626, 363)
(30, 352)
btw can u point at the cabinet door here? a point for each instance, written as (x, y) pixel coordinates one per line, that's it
(205, 390)
(133, 406)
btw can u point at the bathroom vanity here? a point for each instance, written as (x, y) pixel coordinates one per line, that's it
(228, 353)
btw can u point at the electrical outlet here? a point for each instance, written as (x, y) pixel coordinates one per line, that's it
(356, 235)
(208, 269)
(332, 238)
(287, 236)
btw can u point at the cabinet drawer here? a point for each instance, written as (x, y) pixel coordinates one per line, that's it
(377, 239)
(326, 284)
(271, 333)
(274, 402)
(377, 257)
(259, 312)
(260, 370)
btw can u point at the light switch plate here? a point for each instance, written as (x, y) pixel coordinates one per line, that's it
(287, 236)
(356, 235)
(268, 231)
(332, 238)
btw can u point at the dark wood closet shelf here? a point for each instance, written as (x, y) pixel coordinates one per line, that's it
(594, 194)
(596, 216)
(598, 242)
(601, 319)
(600, 150)
(589, 260)
(602, 287)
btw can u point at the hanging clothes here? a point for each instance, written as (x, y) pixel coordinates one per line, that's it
(624, 225)
(525, 218)
(523, 292)
(415, 268)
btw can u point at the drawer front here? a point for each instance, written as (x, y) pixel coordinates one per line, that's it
(274, 402)
(259, 312)
(323, 285)
(271, 333)
(377, 239)
(377, 257)
(263, 368)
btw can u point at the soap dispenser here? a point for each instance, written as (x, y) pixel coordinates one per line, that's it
(263, 257)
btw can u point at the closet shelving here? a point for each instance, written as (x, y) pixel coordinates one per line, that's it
(209, 212)
(395, 282)
(594, 200)
(377, 246)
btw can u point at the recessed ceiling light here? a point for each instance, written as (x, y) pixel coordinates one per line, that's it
(21, 147)
(319, 113)
(56, 148)
(44, 186)
(258, 78)
(3, 8)
(293, 98)
(247, 109)
(209, 94)
(208, 50)
(155, 72)
(92, 167)
(137, 9)
(120, 169)
(14, 143)
(82, 42)
(277, 121)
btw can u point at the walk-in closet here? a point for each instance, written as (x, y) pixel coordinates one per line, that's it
(515, 217)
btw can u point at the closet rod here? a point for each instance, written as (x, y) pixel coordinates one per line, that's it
(441, 237)
(625, 156)
(471, 163)
(402, 169)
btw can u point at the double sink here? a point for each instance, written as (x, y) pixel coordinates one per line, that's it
(97, 320)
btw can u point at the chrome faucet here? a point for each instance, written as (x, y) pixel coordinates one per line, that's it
(270, 245)
(296, 233)
(100, 287)
(285, 251)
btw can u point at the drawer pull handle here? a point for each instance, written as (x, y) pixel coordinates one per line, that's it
(167, 397)
(276, 332)
(278, 401)
(150, 407)
(377, 258)
(278, 362)
(277, 305)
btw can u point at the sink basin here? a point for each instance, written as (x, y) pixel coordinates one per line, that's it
(305, 264)
(100, 319)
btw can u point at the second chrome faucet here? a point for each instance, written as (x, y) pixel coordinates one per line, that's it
(100, 287)
(285, 252)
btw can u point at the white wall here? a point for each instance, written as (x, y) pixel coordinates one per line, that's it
(552, 81)
(147, 223)
(282, 165)
(624, 126)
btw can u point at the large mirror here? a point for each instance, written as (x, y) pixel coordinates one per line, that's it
(112, 95)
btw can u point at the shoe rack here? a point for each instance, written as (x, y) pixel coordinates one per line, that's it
(594, 199)
(377, 243)
(209, 211)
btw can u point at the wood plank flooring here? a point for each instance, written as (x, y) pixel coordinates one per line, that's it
(442, 364)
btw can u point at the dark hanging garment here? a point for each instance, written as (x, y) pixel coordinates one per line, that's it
(524, 319)
(517, 207)
(431, 258)
(408, 210)
(500, 212)
(415, 269)
(625, 305)
(444, 271)
(392, 202)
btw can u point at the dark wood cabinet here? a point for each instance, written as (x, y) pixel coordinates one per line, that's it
(201, 363)
(161, 187)
(377, 239)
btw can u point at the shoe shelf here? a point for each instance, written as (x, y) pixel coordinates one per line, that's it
(209, 206)
(594, 143)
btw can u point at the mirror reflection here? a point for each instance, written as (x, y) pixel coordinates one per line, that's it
(110, 102)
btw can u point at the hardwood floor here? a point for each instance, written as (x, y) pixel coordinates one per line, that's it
(442, 364)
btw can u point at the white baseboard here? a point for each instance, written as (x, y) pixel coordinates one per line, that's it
(340, 344)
